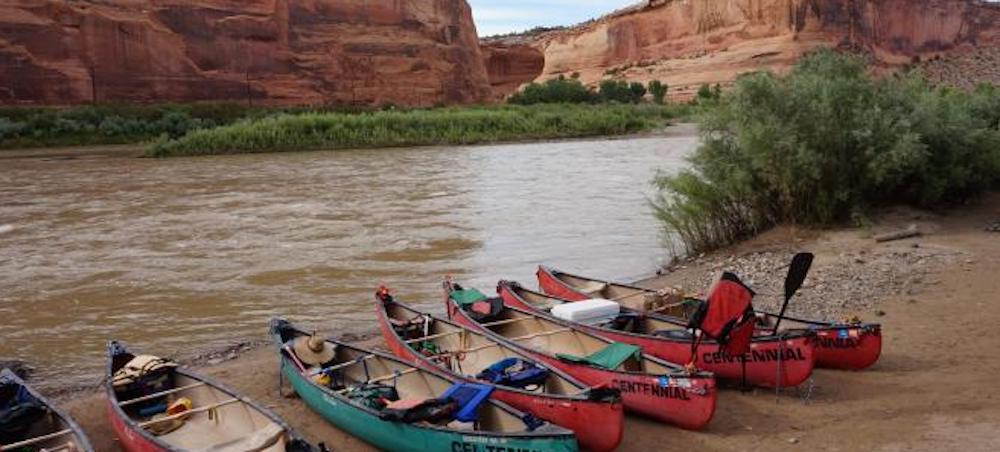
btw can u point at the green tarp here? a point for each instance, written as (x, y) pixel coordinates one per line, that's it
(467, 296)
(609, 357)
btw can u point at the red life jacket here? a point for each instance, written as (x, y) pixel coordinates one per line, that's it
(727, 315)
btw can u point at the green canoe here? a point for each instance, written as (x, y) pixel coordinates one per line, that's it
(500, 428)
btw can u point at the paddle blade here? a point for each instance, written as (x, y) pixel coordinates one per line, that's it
(797, 272)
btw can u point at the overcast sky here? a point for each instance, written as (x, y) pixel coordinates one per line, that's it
(504, 16)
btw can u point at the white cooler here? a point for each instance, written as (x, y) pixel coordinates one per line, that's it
(595, 310)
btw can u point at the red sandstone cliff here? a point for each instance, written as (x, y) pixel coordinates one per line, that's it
(687, 43)
(414, 52)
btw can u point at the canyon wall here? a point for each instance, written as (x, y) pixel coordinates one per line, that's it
(686, 43)
(511, 65)
(406, 52)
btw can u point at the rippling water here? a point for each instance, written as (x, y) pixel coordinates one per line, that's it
(180, 255)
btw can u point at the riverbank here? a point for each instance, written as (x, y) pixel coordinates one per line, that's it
(932, 388)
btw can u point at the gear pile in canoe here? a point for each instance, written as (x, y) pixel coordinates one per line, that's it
(30, 422)
(522, 370)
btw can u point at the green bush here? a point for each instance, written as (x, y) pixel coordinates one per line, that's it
(823, 145)
(305, 131)
(658, 90)
(620, 91)
(557, 90)
(638, 91)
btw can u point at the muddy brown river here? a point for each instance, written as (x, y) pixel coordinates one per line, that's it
(183, 255)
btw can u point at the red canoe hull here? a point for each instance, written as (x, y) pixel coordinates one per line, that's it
(770, 363)
(129, 439)
(685, 402)
(599, 426)
(829, 352)
(849, 347)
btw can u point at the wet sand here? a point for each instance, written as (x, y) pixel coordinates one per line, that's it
(933, 389)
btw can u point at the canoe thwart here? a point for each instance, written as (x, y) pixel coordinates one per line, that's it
(35, 440)
(505, 322)
(160, 394)
(189, 412)
(543, 333)
(435, 336)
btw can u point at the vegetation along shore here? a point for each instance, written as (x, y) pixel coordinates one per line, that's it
(201, 129)
(471, 125)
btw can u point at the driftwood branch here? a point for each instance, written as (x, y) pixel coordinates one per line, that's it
(911, 231)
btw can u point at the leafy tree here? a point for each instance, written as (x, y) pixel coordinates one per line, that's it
(658, 90)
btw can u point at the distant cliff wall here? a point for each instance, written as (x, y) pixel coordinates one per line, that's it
(412, 52)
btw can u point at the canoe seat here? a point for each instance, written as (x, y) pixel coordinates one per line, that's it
(592, 287)
(257, 441)
(610, 357)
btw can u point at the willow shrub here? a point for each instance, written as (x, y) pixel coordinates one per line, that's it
(307, 131)
(824, 144)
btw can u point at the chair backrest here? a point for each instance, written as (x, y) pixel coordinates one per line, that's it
(726, 313)
(469, 397)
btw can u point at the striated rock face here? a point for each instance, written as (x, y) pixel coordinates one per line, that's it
(511, 65)
(687, 43)
(412, 52)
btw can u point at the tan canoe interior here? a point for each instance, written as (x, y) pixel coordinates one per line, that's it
(552, 338)
(645, 325)
(612, 291)
(232, 426)
(417, 384)
(480, 352)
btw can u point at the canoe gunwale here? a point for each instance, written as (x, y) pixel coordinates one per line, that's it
(513, 287)
(78, 433)
(287, 362)
(133, 425)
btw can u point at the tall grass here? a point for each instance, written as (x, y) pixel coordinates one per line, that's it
(825, 144)
(306, 131)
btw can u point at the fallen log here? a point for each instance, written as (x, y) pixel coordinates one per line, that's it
(911, 231)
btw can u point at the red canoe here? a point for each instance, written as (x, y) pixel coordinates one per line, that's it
(773, 361)
(852, 346)
(218, 419)
(597, 417)
(650, 386)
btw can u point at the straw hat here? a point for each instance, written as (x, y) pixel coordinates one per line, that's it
(313, 350)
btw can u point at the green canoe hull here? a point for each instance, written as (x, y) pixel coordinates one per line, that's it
(398, 436)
